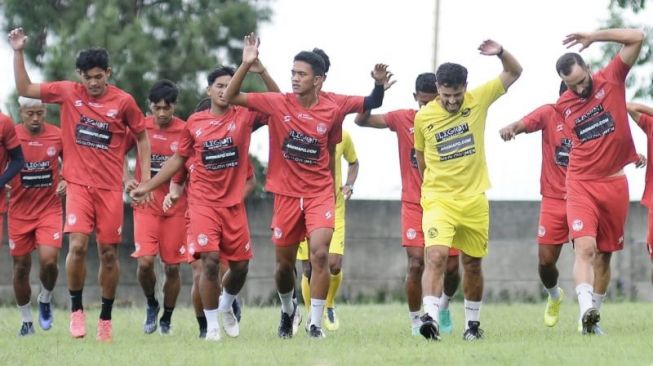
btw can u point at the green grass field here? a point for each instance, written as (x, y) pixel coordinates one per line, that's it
(369, 335)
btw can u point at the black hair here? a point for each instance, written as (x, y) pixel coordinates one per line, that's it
(203, 105)
(313, 59)
(563, 88)
(327, 62)
(220, 71)
(164, 90)
(451, 75)
(567, 61)
(425, 83)
(91, 58)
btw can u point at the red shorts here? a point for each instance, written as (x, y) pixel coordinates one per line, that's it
(294, 218)
(411, 227)
(89, 208)
(26, 234)
(553, 228)
(220, 229)
(649, 237)
(164, 235)
(598, 209)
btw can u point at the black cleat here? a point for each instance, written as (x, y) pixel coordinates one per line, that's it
(590, 321)
(165, 327)
(285, 325)
(429, 328)
(27, 329)
(150, 323)
(473, 333)
(316, 332)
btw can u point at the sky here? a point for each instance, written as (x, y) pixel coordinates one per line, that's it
(358, 34)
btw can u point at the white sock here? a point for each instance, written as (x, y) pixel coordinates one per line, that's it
(554, 292)
(26, 312)
(472, 312)
(317, 309)
(431, 306)
(226, 299)
(414, 317)
(286, 302)
(597, 300)
(584, 293)
(444, 301)
(211, 319)
(45, 296)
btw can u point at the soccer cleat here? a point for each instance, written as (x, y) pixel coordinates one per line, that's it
(77, 324)
(230, 323)
(444, 319)
(202, 333)
(26, 329)
(473, 333)
(589, 320)
(45, 315)
(286, 324)
(213, 335)
(235, 306)
(104, 331)
(151, 314)
(165, 327)
(429, 328)
(552, 310)
(331, 322)
(596, 330)
(316, 332)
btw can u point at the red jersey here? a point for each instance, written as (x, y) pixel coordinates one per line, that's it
(401, 122)
(8, 141)
(346, 104)
(163, 144)
(34, 189)
(601, 139)
(556, 145)
(646, 123)
(299, 143)
(94, 132)
(219, 145)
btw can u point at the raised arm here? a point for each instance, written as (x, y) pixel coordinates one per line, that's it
(630, 38)
(270, 84)
(250, 55)
(24, 86)
(510, 131)
(635, 110)
(511, 67)
(366, 119)
(382, 82)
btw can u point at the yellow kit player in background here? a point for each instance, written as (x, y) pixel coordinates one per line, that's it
(346, 150)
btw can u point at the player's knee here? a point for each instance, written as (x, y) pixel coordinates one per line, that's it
(49, 264)
(146, 264)
(77, 250)
(239, 269)
(21, 270)
(319, 259)
(473, 267)
(172, 270)
(436, 257)
(415, 267)
(108, 257)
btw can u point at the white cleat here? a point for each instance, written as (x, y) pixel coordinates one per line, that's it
(230, 323)
(213, 335)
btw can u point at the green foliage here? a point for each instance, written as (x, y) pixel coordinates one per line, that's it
(628, 14)
(147, 40)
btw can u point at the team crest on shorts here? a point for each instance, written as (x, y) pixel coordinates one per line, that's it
(202, 240)
(72, 219)
(541, 230)
(328, 214)
(432, 233)
(182, 250)
(577, 225)
(277, 233)
(411, 234)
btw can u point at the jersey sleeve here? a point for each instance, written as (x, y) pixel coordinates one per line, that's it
(391, 119)
(265, 103)
(9, 138)
(645, 123)
(489, 92)
(617, 70)
(133, 117)
(186, 142)
(418, 135)
(535, 121)
(56, 92)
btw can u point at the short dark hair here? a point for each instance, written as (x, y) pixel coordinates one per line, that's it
(91, 58)
(450, 74)
(164, 90)
(220, 71)
(425, 83)
(563, 88)
(313, 59)
(327, 62)
(203, 105)
(567, 61)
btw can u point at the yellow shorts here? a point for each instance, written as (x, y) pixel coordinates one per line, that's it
(460, 223)
(337, 245)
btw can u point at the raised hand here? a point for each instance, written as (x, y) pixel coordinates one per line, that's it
(250, 48)
(507, 133)
(490, 48)
(382, 76)
(584, 39)
(17, 39)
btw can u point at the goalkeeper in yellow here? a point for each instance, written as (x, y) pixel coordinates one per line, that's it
(345, 149)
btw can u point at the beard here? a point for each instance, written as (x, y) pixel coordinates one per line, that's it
(587, 92)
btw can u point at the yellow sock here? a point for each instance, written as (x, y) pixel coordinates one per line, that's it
(306, 293)
(334, 285)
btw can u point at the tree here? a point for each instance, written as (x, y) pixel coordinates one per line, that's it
(630, 14)
(147, 40)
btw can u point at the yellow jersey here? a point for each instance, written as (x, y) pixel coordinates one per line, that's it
(454, 144)
(345, 149)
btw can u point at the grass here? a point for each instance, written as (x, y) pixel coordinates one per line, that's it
(369, 335)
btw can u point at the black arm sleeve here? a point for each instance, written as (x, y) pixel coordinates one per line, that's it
(374, 100)
(16, 163)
